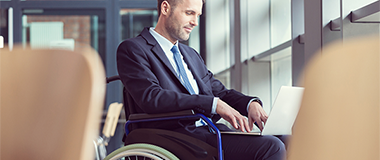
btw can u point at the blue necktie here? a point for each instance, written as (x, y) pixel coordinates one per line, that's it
(181, 70)
(182, 73)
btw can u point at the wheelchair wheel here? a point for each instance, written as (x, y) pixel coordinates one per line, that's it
(141, 151)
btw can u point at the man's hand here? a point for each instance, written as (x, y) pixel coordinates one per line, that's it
(232, 116)
(256, 114)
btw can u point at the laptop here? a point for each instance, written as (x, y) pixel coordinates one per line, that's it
(283, 114)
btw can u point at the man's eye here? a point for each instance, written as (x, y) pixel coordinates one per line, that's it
(188, 13)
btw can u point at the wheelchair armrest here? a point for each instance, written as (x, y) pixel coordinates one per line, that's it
(140, 116)
(113, 78)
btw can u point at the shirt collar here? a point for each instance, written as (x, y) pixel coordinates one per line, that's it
(165, 44)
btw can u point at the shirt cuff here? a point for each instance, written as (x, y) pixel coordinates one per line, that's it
(214, 103)
(256, 100)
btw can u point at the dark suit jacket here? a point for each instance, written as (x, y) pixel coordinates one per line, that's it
(153, 86)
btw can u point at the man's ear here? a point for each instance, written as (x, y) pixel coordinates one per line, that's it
(165, 8)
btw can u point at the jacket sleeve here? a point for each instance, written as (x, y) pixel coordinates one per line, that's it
(143, 78)
(232, 97)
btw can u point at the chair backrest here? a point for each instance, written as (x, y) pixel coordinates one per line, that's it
(51, 103)
(339, 115)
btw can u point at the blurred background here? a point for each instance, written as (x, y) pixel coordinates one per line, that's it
(252, 46)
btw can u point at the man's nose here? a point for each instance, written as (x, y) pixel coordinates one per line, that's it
(194, 21)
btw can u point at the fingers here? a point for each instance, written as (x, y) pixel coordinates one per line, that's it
(232, 116)
(258, 119)
(260, 125)
(256, 114)
(247, 126)
(242, 125)
(250, 124)
(264, 118)
(234, 123)
(239, 122)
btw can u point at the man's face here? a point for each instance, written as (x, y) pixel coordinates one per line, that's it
(183, 18)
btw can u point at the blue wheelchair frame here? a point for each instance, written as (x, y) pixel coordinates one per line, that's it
(209, 123)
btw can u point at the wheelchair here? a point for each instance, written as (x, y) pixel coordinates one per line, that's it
(159, 144)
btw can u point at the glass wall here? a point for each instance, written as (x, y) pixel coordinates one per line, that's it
(43, 31)
(280, 22)
(265, 28)
(359, 28)
(134, 20)
(267, 43)
(281, 64)
(64, 29)
(258, 28)
(217, 35)
(281, 71)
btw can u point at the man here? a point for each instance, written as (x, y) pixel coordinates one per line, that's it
(162, 78)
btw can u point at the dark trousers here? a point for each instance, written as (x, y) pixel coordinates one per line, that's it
(241, 147)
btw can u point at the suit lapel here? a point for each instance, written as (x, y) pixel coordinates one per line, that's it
(157, 50)
(193, 68)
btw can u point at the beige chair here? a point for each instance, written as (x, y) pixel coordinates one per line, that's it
(339, 115)
(51, 104)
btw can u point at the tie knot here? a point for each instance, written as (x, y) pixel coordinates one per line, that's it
(175, 49)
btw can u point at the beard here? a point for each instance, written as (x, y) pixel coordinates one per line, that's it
(175, 29)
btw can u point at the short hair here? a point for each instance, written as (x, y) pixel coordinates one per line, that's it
(173, 3)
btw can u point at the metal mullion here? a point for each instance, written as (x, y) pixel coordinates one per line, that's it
(298, 47)
(17, 22)
(202, 32)
(5, 4)
(114, 90)
(112, 40)
(313, 28)
(151, 4)
(365, 11)
(335, 24)
(59, 11)
(62, 4)
(272, 50)
(235, 47)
